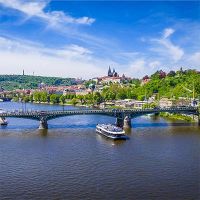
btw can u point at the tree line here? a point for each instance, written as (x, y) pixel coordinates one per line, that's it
(44, 97)
(11, 82)
(171, 85)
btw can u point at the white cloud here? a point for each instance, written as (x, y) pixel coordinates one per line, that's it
(142, 66)
(36, 9)
(195, 58)
(75, 61)
(137, 68)
(70, 61)
(166, 48)
(29, 8)
(168, 32)
(174, 51)
(154, 64)
(58, 21)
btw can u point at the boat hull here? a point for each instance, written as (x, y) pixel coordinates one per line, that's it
(110, 136)
(4, 123)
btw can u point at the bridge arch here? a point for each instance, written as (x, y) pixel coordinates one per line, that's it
(51, 117)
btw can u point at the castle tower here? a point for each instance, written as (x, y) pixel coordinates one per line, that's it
(109, 72)
(114, 74)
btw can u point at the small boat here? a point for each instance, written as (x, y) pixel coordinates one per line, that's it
(111, 131)
(3, 122)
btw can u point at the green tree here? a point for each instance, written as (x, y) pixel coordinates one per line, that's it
(74, 101)
(81, 98)
(97, 98)
(37, 96)
(31, 98)
(43, 96)
(62, 99)
(26, 99)
(54, 98)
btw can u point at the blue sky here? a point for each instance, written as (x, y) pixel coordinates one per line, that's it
(81, 39)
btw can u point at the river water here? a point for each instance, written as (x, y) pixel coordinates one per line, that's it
(161, 160)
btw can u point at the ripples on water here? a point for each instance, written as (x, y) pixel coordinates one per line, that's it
(71, 161)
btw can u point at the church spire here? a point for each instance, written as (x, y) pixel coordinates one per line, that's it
(109, 72)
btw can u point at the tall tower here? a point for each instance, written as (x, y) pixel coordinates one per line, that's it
(109, 72)
(23, 72)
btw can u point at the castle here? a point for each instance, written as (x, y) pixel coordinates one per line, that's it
(112, 74)
(112, 77)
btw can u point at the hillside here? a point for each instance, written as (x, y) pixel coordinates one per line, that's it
(174, 84)
(171, 85)
(10, 82)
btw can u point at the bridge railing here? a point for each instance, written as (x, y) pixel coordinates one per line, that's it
(58, 112)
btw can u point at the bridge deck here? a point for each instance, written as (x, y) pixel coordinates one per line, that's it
(112, 112)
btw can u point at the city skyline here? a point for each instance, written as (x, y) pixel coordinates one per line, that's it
(81, 39)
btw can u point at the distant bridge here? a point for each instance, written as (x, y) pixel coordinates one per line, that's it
(123, 116)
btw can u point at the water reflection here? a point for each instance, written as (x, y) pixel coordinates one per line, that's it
(162, 124)
(3, 126)
(155, 117)
(108, 141)
(185, 130)
(43, 132)
(127, 131)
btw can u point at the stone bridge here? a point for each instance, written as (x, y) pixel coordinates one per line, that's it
(123, 116)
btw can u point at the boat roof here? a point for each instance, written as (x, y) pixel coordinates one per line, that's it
(111, 127)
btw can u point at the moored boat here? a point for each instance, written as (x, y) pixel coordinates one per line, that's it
(111, 131)
(3, 121)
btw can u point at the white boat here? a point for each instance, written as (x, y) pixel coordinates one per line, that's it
(111, 131)
(3, 121)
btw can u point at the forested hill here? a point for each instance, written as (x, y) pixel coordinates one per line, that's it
(174, 84)
(171, 85)
(10, 82)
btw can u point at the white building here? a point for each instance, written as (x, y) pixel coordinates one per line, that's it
(108, 80)
(165, 102)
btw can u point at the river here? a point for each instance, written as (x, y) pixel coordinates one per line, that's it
(161, 160)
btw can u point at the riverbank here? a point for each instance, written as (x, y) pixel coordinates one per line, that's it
(177, 117)
(61, 104)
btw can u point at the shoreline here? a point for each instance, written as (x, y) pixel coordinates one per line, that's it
(49, 103)
(177, 117)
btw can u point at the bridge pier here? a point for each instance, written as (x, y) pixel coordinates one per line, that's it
(119, 122)
(199, 120)
(43, 124)
(123, 122)
(127, 122)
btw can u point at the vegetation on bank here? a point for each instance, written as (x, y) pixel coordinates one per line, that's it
(12, 82)
(177, 116)
(171, 85)
(44, 97)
